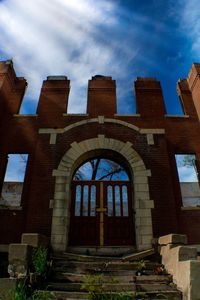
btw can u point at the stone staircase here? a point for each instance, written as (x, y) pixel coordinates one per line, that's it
(69, 271)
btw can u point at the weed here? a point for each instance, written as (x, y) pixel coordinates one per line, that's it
(39, 259)
(42, 295)
(95, 286)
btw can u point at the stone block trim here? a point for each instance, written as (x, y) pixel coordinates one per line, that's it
(181, 262)
(18, 252)
(63, 174)
(177, 239)
(34, 239)
(101, 120)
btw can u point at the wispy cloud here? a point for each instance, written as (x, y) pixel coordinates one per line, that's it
(190, 22)
(81, 38)
(55, 37)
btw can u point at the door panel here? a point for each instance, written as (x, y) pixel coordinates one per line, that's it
(84, 229)
(118, 223)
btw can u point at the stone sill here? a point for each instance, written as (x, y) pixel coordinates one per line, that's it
(10, 207)
(75, 115)
(127, 115)
(25, 115)
(191, 208)
(177, 116)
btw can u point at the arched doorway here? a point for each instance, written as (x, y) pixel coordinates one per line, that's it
(77, 154)
(102, 207)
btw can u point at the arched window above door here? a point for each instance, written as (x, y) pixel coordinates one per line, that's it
(101, 169)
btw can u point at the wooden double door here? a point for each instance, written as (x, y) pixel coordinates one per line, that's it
(101, 214)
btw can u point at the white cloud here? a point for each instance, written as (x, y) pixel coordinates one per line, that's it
(187, 174)
(56, 37)
(79, 39)
(190, 21)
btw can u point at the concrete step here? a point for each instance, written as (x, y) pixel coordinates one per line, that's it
(71, 277)
(123, 277)
(64, 265)
(76, 287)
(63, 295)
(154, 287)
(150, 279)
(81, 257)
(153, 295)
(112, 251)
(94, 272)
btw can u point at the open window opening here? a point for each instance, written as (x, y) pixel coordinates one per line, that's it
(188, 178)
(101, 169)
(13, 180)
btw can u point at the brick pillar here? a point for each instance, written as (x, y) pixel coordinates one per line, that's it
(185, 97)
(194, 85)
(54, 97)
(149, 98)
(12, 89)
(101, 96)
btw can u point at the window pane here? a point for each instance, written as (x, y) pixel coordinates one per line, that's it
(93, 201)
(101, 169)
(110, 200)
(78, 201)
(125, 201)
(85, 200)
(117, 201)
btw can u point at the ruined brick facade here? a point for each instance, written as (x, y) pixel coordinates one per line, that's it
(57, 143)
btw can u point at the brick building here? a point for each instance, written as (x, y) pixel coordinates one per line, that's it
(57, 143)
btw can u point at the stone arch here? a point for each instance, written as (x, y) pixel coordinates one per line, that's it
(64, 172)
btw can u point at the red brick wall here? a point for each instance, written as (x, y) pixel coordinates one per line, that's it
(19, 134)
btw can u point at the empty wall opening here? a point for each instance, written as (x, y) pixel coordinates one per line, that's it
(188, 179)
(13, 180)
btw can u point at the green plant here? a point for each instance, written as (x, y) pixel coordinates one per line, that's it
(140, 265)
(21, 290)
(39, 259)
(42, 295)
(95, 286)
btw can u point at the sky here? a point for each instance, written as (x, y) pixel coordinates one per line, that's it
(186, 171)
(118, 38)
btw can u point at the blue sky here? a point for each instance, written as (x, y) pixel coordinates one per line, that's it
(81, 38)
